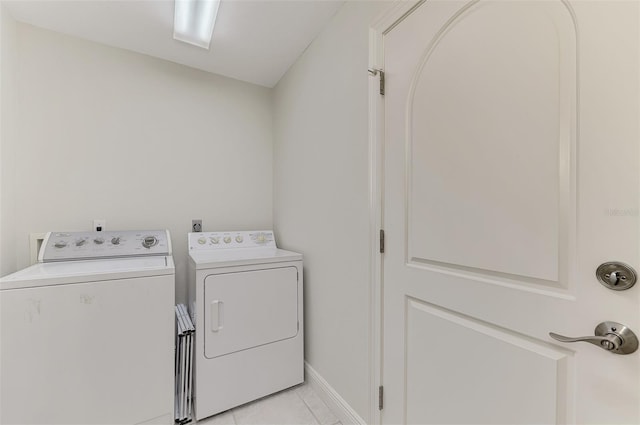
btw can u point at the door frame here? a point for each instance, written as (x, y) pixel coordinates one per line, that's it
(387, 20)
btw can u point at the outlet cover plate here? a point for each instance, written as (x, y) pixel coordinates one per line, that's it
(99, 224)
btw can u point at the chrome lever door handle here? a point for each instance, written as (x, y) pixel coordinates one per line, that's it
(608, 342)
(609, 336)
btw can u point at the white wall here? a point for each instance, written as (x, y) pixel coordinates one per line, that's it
(8, 257)
(138, 141)
(321, 195)
(143, 143)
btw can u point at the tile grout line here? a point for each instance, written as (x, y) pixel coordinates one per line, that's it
(338, 421)
(307, 404)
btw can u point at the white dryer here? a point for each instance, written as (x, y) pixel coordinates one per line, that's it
(245, 298)
(87, 334)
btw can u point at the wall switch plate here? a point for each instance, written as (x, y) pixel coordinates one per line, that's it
(99, 224)
(196, 225)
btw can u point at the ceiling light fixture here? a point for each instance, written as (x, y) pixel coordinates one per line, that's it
(193, 21)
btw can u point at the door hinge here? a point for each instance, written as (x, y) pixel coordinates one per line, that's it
(381, 73)
(380, 397)
(381, 241)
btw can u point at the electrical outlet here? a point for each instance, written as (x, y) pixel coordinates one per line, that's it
(99, 224)
(196, 225)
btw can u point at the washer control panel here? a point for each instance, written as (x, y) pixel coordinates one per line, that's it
(226, 240)
(67, 246)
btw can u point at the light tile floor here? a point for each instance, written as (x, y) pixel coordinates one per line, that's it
(296, 406)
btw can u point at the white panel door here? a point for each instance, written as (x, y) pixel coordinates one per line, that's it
(510, 174)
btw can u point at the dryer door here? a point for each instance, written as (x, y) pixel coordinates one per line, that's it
(249, 309)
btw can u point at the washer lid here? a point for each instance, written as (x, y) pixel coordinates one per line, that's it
(241, 256)
(65, 272)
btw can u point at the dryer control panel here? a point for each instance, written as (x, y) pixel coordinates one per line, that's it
(235, 239)
(68, 246)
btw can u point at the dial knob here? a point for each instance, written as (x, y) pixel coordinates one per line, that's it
(60, 244)
(227, 239)
(80, 242)
(261, 238)
(98, 241)
(239, 239)
(115, 240)
(149, 241)
(215, 239)
(202, 241)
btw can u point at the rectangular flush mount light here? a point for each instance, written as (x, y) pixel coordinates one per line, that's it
(193, 21)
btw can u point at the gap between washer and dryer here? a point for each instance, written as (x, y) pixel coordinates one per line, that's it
(299, 405)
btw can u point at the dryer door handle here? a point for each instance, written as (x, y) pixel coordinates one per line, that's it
(217, 315)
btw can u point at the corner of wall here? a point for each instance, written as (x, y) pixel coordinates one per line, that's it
(321, 199)
(8, 257)
(333, 400)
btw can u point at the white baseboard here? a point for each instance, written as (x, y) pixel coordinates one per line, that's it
(331, 398)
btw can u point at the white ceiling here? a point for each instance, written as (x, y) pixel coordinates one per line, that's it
(253, 40)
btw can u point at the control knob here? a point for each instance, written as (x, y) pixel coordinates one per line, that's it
(227, 239)
(202, 241)
(149, 241)
(80, 242)
(215, 240)
(239, 239)
(98, 241)
(60, 244)
(115, 240)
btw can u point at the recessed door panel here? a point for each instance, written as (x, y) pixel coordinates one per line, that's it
(485, 366)
(249, 309)
(489, 115)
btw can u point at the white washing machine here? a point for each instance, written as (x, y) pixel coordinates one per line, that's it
(245, 298)
(87, 334)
